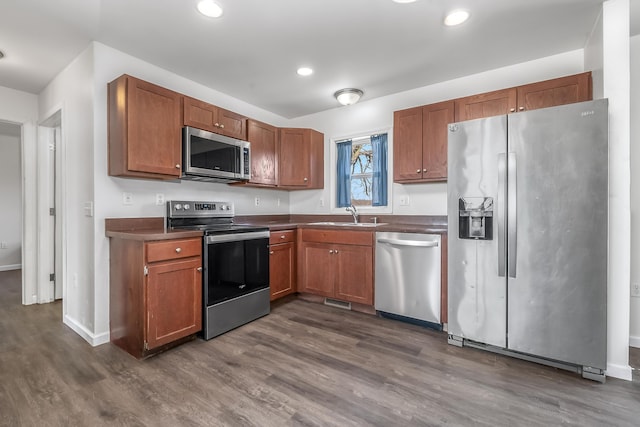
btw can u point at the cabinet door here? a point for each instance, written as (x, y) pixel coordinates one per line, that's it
(232, 124)
(354, 273)
(435, 119)
(200, 115)
(282, 270)
(549, 93)
(407, 145)
(318, 262)
(263, 152)
(294, 157)
(486, 104)
(174, 301)
(144, 129)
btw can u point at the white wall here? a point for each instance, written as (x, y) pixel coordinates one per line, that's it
(71, 91)
(634, 331)
(22, 108)
(366, 116)
(11, 190)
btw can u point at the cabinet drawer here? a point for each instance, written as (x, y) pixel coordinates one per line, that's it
(173, 249)
(338, 236)
(282, 237)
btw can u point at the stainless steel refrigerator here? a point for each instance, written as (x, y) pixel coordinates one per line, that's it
(527, 222)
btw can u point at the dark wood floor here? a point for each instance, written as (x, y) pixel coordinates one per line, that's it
(304, 364)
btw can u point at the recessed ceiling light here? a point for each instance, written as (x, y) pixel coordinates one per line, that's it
(304, 71)
(209, 8)
(456, 17)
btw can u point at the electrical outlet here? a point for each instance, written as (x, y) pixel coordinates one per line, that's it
(635, 289)
(159, 199)
(257, 201)
(404, 201)
(278, 201)
(322, 203)
(3, 245)
(127, 198)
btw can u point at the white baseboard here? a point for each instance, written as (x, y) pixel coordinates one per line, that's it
(88, 336)
(619, 371)
(10, 267)
(634, 342)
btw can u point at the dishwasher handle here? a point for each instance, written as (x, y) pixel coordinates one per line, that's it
(414, 243)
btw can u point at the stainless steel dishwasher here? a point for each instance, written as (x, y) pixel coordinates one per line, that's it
(407, 281)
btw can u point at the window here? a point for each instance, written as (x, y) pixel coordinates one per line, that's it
(362, 171)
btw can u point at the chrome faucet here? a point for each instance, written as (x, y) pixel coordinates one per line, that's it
(352, 210)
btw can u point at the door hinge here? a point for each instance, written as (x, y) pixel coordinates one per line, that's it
(52, 211)
(146, 270)
(52, 277)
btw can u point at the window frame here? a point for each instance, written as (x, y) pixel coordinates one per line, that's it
(367, 210)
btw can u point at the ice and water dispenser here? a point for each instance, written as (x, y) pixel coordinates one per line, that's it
(475, 216)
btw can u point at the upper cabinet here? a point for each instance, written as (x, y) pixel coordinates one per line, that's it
(206, 116)
(486, 105)
(420, 133)
(301, 159)
(421, 154)
(144, 129)
(263, 139)
(549, 93)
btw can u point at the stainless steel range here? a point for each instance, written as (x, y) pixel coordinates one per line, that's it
(235, 277)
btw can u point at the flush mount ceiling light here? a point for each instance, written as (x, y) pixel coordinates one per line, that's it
(403, 1)
(348, 96)
(209, 8)
(304, 71)
(456, 17)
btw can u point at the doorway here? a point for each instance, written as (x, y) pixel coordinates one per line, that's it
(11, 188)
(50, 255)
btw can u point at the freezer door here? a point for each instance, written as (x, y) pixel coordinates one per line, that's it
(476, 272)
(558, 187)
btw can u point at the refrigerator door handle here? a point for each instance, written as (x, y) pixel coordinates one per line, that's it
(500, 214)
(512, 210)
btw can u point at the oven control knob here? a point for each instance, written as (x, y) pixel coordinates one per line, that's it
(223, 207)
(178, 206)
(186, 206)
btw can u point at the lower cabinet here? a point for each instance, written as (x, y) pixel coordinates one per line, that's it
(155, 293)
(282, 263)
(337, 264)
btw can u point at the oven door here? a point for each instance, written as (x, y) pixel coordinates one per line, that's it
(236, 264)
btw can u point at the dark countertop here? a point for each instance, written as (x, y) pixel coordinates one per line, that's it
(149, 229)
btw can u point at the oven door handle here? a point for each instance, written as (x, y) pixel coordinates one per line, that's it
(235, 237)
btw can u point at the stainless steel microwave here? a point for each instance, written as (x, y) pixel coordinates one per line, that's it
(207, 156)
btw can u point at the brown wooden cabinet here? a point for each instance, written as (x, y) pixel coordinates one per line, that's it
(155, 293)
(337, 264)
(300, 159)
(282, 263)
(206, 116)
(264, 160)
(486, 104)
(420, 142)
(144, 130)
(550, 93)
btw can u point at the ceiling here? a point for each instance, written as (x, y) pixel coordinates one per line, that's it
(252, 51)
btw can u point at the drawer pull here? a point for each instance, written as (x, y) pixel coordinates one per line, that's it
(282, 237)
(178, 250)
(199, 268)
(178, 166)
(270, 252)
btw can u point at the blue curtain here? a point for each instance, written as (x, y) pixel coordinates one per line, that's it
(344, 174)
(379, 145)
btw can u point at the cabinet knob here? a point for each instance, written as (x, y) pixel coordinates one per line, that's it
(217, 125)
(335, 251)
(282, 237)
(521, 108)
(424, 170)
(418, 170)
(306, 179)
(177, 166)
(178, 250)
(199, 268)
(221, 126)
(270, 252)
(512, 110)
(330, 251)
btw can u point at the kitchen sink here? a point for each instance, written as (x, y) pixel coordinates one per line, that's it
(348, 224)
